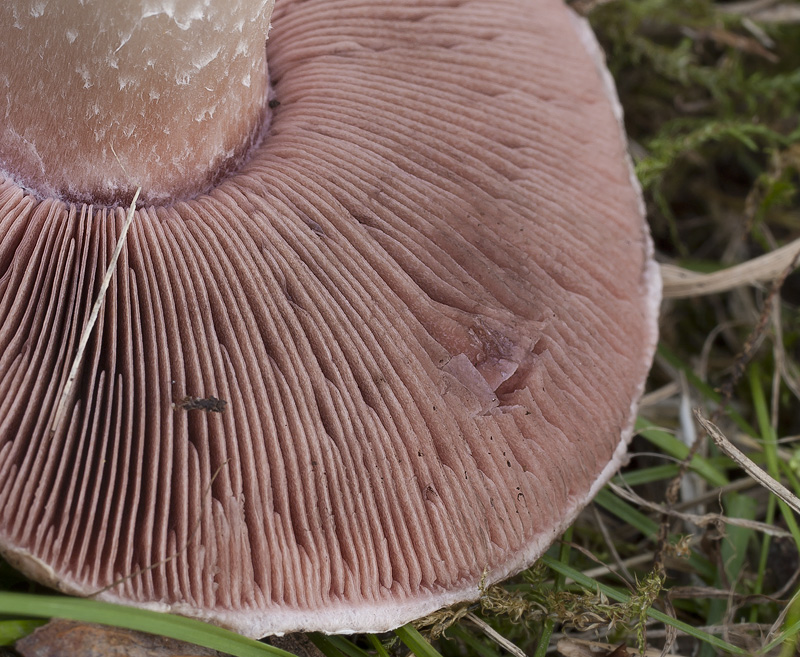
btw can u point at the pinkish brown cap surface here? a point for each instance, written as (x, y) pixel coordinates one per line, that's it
(428, 302)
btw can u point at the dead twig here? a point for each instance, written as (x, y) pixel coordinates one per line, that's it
(744, 462)
(703, 520)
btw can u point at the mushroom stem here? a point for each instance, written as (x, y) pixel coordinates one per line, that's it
(168, 95)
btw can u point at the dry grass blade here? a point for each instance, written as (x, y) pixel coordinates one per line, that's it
(87, 330)
(583, 648)
(780, 14)
(708, 592)
(703, 520)
(764, 11)
(639, 560)
(746, 7)
(495, 636)
(775, 487)
(682, 283)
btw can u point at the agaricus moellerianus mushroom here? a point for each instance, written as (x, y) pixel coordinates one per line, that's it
(384, 360)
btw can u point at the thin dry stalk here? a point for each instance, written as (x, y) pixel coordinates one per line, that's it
(682, 283)
(727, 391)
(495, 636)
(763, 11)
(744, 462)
(704, 520)
(611, 547)
(583, 648)
(66, 393)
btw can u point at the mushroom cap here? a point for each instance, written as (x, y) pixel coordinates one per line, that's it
(428, 302)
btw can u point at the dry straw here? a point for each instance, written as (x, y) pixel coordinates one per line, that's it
(682, 283)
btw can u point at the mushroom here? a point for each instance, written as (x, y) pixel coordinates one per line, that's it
(367, 360)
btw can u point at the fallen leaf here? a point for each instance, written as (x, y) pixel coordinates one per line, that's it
(63, 638)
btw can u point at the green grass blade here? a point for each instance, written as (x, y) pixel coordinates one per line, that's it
(733, 549)
(669, 444)
(379, 648)
(788, 637)
(336, 646)
(175, 627)
(620, 596)
(792, 625)
(761, 570)
(774, 468)
(415, 642)
(646, 475)
(472, 642)
(770, 443)
(630, 516)
(703, 388)
(626, 513)
(13, 630)
(549, 624)
(788, 514)
(737, 539)
(324, 644)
